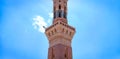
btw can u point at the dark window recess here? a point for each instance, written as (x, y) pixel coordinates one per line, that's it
(59, 13)
(59, 7)
(65, 12)
(59, 0)
(64, 15)
(65, 56)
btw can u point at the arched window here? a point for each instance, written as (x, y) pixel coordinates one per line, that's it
(59, 6)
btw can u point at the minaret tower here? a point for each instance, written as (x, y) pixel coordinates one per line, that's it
(60, 34)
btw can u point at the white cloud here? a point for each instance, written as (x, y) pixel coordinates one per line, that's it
(50, 18)
(38, 23)
(49, 21)
(51, 15)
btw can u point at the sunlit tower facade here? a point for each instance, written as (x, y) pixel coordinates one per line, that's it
(60, 33)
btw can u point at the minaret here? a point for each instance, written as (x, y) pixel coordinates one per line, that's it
(60, 34)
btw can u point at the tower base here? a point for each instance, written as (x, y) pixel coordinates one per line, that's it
(60, 51)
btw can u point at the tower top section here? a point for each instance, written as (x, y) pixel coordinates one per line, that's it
(60, 10)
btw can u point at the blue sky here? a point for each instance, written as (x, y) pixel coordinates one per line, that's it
(97, 24)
